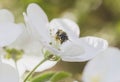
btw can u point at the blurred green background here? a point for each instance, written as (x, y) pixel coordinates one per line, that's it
(95, 17)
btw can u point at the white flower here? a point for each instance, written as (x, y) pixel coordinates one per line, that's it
(32, 55)
(103, 68)
(9, 32)
(61, 36)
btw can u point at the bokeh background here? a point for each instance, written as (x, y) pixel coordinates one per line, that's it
(95, 18)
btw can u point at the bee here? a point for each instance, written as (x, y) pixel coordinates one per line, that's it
(61, 36)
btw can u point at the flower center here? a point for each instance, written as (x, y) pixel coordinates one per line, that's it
(61, 36)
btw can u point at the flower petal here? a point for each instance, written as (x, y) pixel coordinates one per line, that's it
(30, 62)
(29, 26)
(104, 67)
(65, 24)
(9, 32)
(21, 69)
(8, 73)
(68, 26)
(44, 42)
(71, 49)
(6, 16)
(82, 49)
(38, 22)
(95, 42)
(27, 43)
(92, 46)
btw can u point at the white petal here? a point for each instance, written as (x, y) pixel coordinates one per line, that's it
(104, 67)
(21, 69)
(30, 62)
(27, 43)
(8, 61)
(30, 28)
(66, 25)
(71, 49)
(92, 46)
(8, 73)
(6, 16)
(9, 32)
(38, 22)
(82, 49)
(72, 26)
(95, 42)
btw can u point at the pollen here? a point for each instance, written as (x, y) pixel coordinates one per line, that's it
(61, 36)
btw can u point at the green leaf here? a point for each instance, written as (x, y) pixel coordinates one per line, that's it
(59, 76)
(43, 77)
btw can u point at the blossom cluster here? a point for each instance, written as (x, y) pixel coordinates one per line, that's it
(26, 44)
